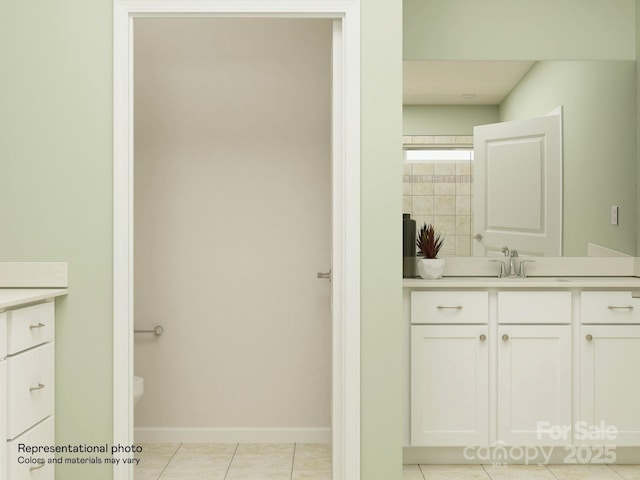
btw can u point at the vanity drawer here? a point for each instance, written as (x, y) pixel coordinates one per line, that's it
(534, 307)
(42, 434)
(3, 415)
(30, 326)
(30, 380)
(449, 307)
(610, 307)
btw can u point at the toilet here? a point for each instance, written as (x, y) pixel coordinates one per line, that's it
(138, 388)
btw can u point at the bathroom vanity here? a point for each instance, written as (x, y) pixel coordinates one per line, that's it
(27, 383)
(520, 362)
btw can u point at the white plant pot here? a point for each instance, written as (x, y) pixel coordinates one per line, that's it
(431, 267)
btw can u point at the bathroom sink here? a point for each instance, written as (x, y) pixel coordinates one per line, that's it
(535, 279)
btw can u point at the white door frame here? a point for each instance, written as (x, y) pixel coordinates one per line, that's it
(345, 206)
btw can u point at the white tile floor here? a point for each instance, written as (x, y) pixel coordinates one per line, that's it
(232, 461)
(312, 461)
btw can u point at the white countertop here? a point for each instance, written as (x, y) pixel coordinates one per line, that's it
(529, 282)
(11, 297)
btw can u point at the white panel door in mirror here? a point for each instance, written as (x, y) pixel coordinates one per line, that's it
(518, 183)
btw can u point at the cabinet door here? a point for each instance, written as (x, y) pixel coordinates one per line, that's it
(449, 385)
(610, 385)
(534, 384)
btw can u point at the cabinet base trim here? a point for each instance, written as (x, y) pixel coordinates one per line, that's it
(573, 454)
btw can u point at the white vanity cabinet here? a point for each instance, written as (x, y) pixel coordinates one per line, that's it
(610, 358)
(526, 362)
(3, 396)
(27, 383)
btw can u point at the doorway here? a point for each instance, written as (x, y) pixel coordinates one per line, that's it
(232, 220)
(344, 213)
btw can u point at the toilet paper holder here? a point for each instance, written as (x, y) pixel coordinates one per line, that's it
(157, 330)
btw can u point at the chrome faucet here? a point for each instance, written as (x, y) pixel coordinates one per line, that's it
(516, 267)
(512, 264)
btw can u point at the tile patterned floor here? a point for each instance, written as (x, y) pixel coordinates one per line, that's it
(232, 461)
(312, 461)
(521, 472)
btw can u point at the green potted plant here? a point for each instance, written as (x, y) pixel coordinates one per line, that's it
(429, 244)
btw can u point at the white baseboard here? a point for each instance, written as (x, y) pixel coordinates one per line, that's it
(231, 435)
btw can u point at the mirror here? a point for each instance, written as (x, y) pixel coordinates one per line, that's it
(443, 101)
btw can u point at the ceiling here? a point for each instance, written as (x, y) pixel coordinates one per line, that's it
(460, 83)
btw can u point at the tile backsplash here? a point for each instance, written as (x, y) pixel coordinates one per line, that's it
(441, 193)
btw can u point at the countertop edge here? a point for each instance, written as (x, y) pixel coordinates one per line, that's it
(557, 283)
(12, 297)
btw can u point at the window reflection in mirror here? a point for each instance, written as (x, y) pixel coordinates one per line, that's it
(438, 188)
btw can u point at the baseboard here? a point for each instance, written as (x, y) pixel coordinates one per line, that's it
(231, 435)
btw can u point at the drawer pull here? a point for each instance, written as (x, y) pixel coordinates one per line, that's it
(613, 307)
(40, 465)
(443, 307)
(505, 337)
(589, 337)
(39, 387)
(39, 325)
(483, 337)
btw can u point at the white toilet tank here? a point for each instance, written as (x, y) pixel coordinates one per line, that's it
(138, 388)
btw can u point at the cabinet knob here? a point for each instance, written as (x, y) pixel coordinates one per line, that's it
(505, 337)
(483, 337)
(589, 337)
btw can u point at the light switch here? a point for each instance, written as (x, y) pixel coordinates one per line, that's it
(614, 215)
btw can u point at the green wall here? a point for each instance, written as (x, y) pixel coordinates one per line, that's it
(381, 302)
(599, 126)
(446, 119)
(56, 198)
(56, 195)
(519, 29)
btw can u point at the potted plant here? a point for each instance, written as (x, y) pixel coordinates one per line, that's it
(429, 243)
